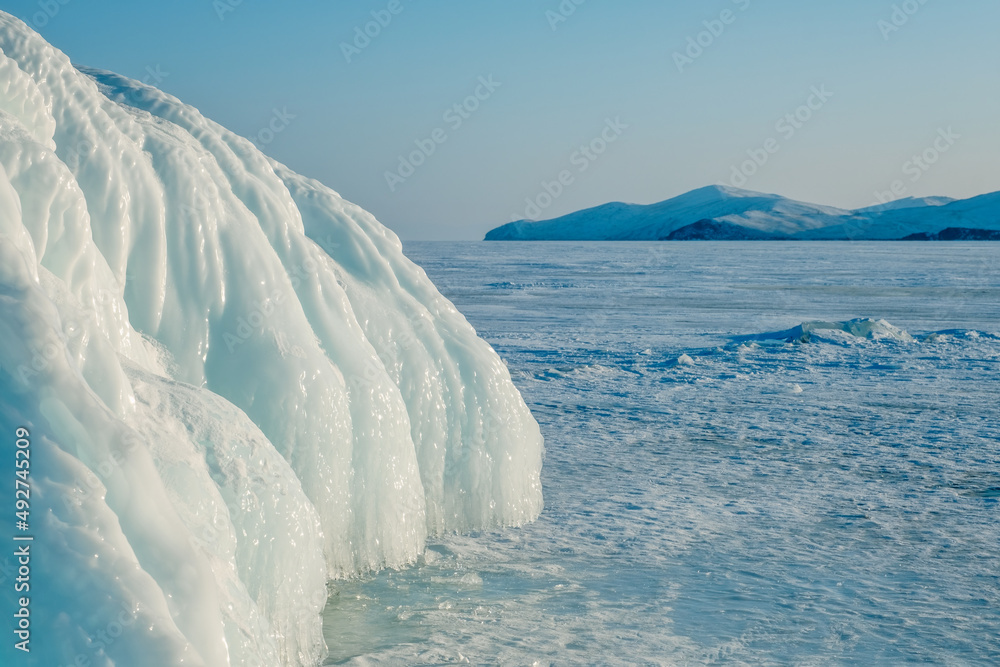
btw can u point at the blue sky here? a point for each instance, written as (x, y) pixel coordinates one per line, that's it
(617, 99)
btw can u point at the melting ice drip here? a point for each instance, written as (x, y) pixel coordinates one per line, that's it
(237, 385)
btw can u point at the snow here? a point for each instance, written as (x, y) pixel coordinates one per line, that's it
(757, 212)
(982, 212)
(907, 202)
(237, 385)
(712, 515)
(864, 328)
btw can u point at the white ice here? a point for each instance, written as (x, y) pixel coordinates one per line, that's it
(862, 328)
(237, 385)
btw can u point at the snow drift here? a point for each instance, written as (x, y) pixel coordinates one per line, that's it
(236, 385)
(862, 328)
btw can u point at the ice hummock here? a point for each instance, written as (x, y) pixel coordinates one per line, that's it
(236, 384)
(863, 328)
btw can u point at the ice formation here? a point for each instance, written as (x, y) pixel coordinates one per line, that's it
(862, 328)
(236, 385)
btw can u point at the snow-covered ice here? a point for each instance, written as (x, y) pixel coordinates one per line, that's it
(712, 514)
(236, 385)
(864, 328)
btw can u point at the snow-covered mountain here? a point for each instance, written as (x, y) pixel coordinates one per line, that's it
(232, 384)
(906, 202)
(628, 222)
(718, 231)
(742, 214)
(977, 213)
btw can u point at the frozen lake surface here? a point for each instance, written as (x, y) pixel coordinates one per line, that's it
(757, 501)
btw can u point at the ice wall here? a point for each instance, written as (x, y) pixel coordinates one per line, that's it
(236, 385)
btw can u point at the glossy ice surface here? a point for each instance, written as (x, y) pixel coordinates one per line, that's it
(236, 385)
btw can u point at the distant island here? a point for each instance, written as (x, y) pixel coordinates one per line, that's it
(723, 213)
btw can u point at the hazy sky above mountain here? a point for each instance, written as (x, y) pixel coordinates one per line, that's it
(633, 100)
